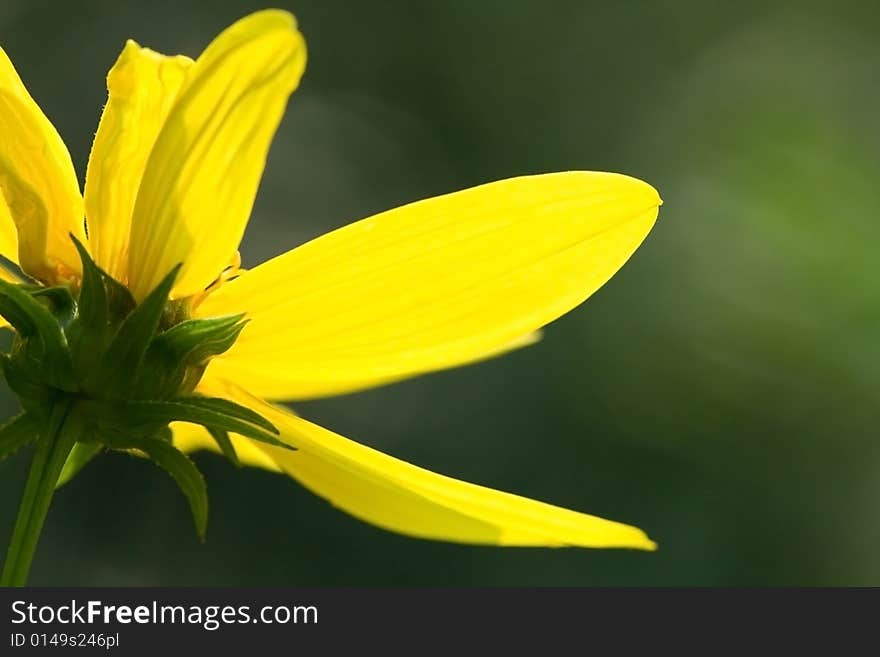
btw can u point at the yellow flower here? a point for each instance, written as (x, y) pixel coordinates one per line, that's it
(171, 180)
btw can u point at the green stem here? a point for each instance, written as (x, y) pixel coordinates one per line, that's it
(53, 448)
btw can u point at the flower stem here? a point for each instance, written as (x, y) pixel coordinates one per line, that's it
(53, 447)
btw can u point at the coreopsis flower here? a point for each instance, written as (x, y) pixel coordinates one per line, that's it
(135, 328)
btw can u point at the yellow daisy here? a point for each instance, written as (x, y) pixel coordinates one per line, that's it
(139, 331)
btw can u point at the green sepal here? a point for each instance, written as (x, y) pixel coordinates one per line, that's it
(227, 407)
(225, 444)
(40, 342)
(210, 412)
(92, 293)
(33, 393)
(116, 297)
(27, 315)
(102, 306)
(180, 352)
(90, 329)
(18, 432)
(102, 298)
(185, 474)
(17, 306)
(196, 340)
(79, 457)
(112, 378)
(60, 300)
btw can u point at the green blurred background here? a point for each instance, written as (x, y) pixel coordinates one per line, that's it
(719, 392)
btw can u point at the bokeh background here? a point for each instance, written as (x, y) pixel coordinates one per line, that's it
(719, 392)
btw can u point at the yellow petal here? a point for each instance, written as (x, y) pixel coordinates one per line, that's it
(193, 438)
(8, 233)
(141, 86)
(38, 182)
(430, 285)
(8, 248)
(276, 383)
(202, 175)
(410, 500)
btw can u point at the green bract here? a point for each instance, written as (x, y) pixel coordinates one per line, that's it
(121, 372)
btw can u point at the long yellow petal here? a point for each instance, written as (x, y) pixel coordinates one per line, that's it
(8, 233)
(38, 182)
(141, 86)
(8, 246)
(400, 497)
(276, 383)
(430, 285)
(202, 175)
